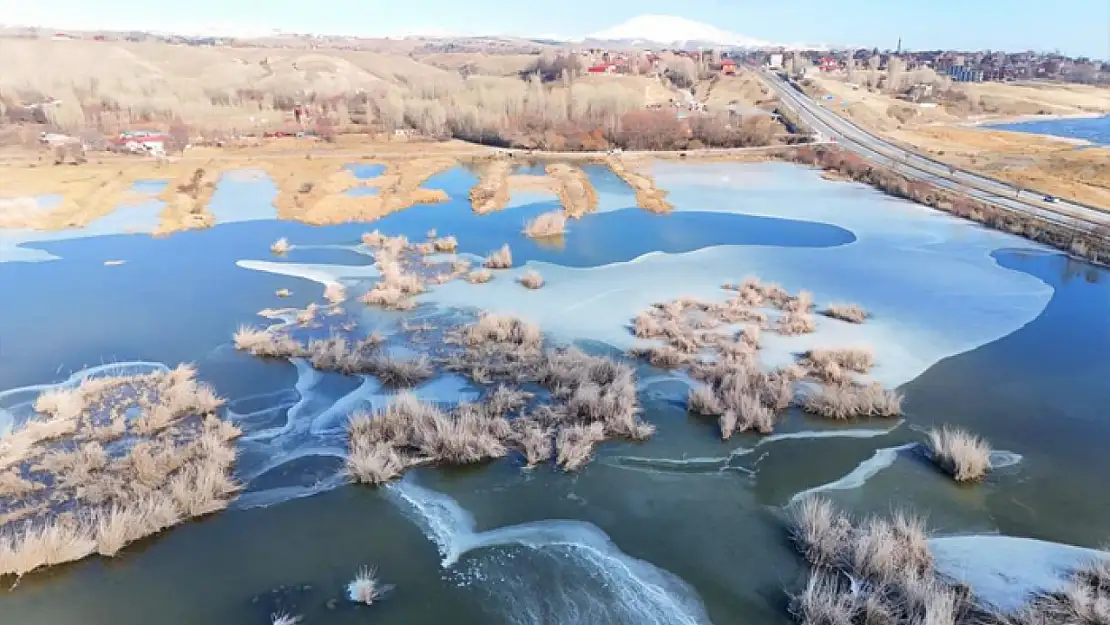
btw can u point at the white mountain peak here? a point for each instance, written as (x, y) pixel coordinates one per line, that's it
(671, 29)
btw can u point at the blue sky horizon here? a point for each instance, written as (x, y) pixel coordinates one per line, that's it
(1075, 27)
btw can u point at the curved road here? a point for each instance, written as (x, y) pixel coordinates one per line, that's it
(913, 165)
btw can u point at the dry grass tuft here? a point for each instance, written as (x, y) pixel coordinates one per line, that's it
(284, 618)
(663, 357)
(365, 588)
(836, 365)
(281, 246)
(500, 259)
(479, 276)
(962, 455)
(819, 531)
(575, 444)
(550, 224)
(846, 312)
(531, 279)
(534, 439)
(846, 401)
(1084, 599)
(445, 244)
(494, 328)
(793, 323)
(335, 293)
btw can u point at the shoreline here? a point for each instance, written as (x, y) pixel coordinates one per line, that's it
(1025, 119)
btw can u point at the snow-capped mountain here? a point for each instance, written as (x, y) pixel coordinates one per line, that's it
(673, 31)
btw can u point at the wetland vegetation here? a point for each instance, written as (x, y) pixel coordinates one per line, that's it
(436, 375)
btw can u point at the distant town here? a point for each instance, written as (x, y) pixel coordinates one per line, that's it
(960, 66)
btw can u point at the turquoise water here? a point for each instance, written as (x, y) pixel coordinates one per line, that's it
(681, 529)
(1093, 129)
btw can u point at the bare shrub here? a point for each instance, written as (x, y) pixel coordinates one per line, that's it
(962, 455)
(846, 312)
(531, 279)
(500, 259)
(549, 224)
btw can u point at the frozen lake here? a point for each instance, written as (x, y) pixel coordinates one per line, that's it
(977, 328)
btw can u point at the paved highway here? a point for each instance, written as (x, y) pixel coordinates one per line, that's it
(914, 165)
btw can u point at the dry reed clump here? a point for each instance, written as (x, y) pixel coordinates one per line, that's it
(531, 280)
(875, 571)
(499, 259)
(284, 618)
(794, 323)
(281, 246)
(663, 357)
(360, 357)
(91, 497)
(587, 393)
(409, 432)
(962, 455)
(575, 444)
(479, 276)
(742, 396)
(445, 244)
(365, 587)
(847, 401)
(494, 328)
(846, 312)
(836, 365)
(1084, 599)
(551, 224)
(335, 293)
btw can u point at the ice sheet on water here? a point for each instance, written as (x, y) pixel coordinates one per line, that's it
(598, 583)
(1004, 570)
(139, 218)
(928, 279)
(243, 195)
(322, 274)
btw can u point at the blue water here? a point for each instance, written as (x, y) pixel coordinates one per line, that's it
(365, 171)
(176, 299)
(1093, 129)
(243, 198)
(149, 187)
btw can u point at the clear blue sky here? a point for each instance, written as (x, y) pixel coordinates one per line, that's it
(1080, 27)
